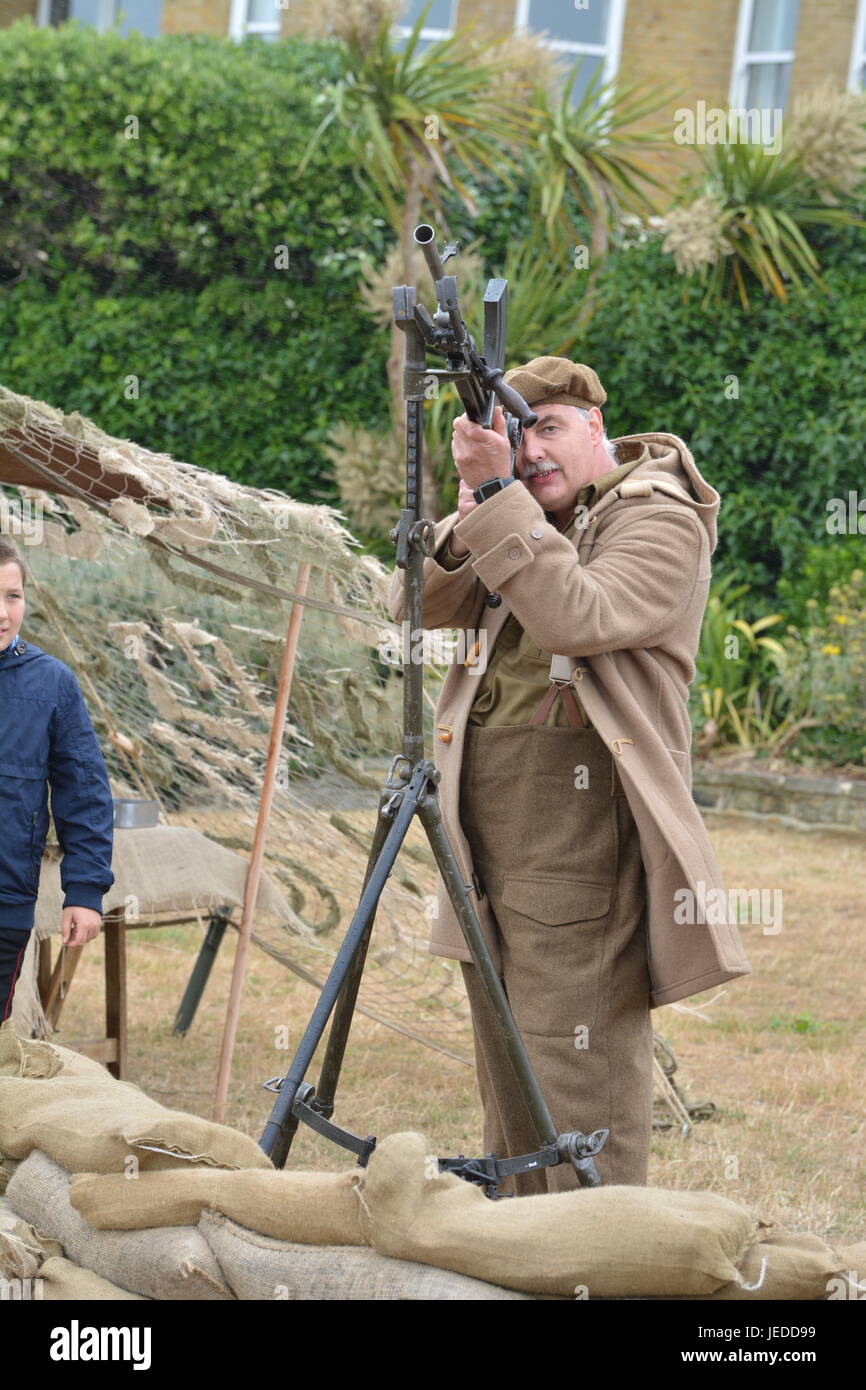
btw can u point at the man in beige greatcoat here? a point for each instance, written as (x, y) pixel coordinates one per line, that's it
(564, 752)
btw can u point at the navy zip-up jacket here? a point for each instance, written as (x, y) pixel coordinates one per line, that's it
(46, 738)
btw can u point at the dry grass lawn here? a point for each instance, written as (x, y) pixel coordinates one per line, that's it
(780, 1053)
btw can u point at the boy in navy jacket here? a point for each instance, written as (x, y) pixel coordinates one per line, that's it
(46, 738)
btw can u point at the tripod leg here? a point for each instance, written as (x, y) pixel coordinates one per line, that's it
(430, 815)
(278, 1132)
(338, 1035)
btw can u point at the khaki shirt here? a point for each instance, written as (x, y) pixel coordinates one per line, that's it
(517, 673)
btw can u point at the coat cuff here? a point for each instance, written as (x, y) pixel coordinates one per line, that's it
(84, 895)
(447, 559)
(499, 533)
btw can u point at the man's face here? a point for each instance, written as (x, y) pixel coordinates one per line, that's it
(11, 603)
(560, 455)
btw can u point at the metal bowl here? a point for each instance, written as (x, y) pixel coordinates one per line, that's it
(132, 814)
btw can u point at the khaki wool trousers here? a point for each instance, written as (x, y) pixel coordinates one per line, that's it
(557, 852)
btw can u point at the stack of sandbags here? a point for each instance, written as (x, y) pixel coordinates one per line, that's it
(155, 1251)
(129, 1199)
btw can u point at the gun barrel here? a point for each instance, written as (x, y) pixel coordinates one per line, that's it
(425, 237)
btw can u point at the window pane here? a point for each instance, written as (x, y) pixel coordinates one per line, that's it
(438, 16)
(588, 65)
(767, 87)
(563, 20)
(143, 16)
(85, 11)
(263, 12)
(774, 24)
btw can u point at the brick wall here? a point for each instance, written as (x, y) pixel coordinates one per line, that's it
(825, 36)
(195, 17)
(10, 10)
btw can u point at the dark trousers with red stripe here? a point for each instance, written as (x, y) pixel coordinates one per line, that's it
(13, 944)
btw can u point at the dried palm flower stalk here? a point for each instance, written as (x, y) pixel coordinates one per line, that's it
(694, 235)
(827, 130)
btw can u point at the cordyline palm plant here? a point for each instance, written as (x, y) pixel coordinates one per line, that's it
(747, 222)
(413, 119)
(594, 150)
(418, 121)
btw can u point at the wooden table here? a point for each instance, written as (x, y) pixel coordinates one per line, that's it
(54, 982)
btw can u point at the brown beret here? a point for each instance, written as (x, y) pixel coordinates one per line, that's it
(556, 381)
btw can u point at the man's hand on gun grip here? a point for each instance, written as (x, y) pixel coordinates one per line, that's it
(465, 504)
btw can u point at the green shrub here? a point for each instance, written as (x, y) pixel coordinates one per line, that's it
(823, 676)
(154, 257)
(789, 440)
(733, 699)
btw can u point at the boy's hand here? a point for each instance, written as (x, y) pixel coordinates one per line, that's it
(80, 924)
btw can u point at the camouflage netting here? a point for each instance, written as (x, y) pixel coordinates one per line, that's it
(167, 589)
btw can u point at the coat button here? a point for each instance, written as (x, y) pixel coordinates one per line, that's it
(514, 553)
(535, 533)
(446, 736)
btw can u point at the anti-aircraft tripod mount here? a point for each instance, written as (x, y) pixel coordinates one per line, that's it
(410, 787)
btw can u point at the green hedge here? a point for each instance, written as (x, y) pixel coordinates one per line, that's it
(790, 441)
(154, 257)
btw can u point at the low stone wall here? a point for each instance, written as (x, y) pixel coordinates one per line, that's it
(800, 800)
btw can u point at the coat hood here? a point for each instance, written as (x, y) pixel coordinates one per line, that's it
(19, 654)
(671, 462)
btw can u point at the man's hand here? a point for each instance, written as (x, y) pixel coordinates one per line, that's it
(80, 925)
(479, 453)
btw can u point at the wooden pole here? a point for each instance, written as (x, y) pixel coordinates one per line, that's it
(254, 872)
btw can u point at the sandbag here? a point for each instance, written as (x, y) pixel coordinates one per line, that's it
(309, 1208)
(24, 1056)
(174, 1263)
(850, 1280)
(62, 1282)
(89, 1122)
(7, 1168)
(259, 1267)
(616, 1241)
(20, 1251)
(783, 1265)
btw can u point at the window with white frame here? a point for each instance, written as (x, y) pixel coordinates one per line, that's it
(142, 16)
(439, 22)
(764, 54)
(587, 29)
(262, 17)
(857, 72)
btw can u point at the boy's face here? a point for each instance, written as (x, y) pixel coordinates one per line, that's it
(11, 603)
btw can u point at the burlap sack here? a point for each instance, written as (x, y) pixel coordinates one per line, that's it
(23, 1056)
(310, 1208)
(610, 1241)
(65, 1282)
(89, 1122)
(782, 1265)
(20, 1251)
(850, 1280)
(175, 1263)
(258, 1267)
(7, 1168)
